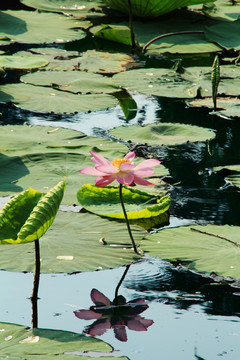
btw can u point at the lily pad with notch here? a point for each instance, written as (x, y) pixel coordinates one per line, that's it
(211, 248)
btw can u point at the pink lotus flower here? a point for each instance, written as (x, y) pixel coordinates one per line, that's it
(122, 170)
(117, 315)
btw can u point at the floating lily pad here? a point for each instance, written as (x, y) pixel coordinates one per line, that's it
(188, 84)
(59, 59)
(73, 7)
(152, 8)
(232, 173)
(226, 106)
(106, 202)
(145, 31)
(208, 248)
(27, 216)
(34, 27)
(40, 157)
(47, 100)
(73, 244)
(18, 342)
(225, 33)
(162, 134)
(103, 62)
(72, 81)
(22, 62)
(222, 10)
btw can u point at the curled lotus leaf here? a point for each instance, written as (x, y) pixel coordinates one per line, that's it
(27, 216)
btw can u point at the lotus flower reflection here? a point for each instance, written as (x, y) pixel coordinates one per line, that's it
(122, 170)
(118, 315)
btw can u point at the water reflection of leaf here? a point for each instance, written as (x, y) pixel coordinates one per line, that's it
(116, 315)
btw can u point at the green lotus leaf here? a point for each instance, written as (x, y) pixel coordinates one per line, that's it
(46, 100)
(226, 106)
(163, 134)
(18, 342)
(58, 59)
(42, 156)
(231, 173)
(72, 81)
(151, 8)
(73, 7)
(220, 10)
(105, 62)
(188, 84)
(211, 248)
(35, 27)
(76, 242)
(225, 33)
(22, 62)
(174, 23)
(106, 202)
(27, 216)
(127, 103)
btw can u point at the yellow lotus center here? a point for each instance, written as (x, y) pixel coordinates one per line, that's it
(118, 162)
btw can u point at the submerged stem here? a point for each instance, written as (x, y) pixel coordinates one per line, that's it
(34, 297)
(126, 218)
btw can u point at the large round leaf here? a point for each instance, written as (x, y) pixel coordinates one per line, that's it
(220, 10)
(187, 84)
(106, 202)
(59, 59)
(74, 243)
(225, 33)
(22, 62)
(208, 248)
(163, 134)
(72, 81)
(40, 157)
(34, 27)
(18, 343)
(45, 99)
(151, 8)
(27, 216)
(73, 7)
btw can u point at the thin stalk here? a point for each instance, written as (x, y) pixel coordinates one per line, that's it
(126, 218)
(34, 297)
(121, 280)
(133, 41)
(170, 34)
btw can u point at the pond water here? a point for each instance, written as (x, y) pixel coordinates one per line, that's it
(193, 318)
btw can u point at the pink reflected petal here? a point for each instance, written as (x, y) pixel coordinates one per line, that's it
(140, 181)
(139, 324)
(147, 164)
(99, 159)
(120, 332)
(104, 180)
(90, 171)
(99, 299)
(126, 179)
(130, 156)
(87, 314)
(98, 328)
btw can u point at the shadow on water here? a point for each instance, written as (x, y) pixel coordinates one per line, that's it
(11, 169)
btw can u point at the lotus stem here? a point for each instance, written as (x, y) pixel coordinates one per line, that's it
(34, 297)
(133, 41)
(126, 218)
(170, 34)
(120, 282)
